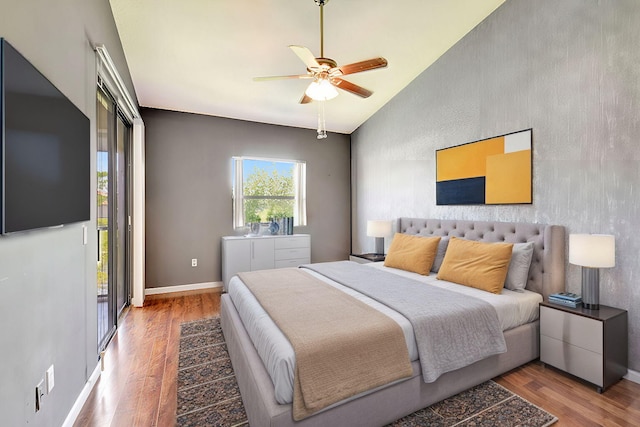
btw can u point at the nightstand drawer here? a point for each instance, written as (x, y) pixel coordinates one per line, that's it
(579, 331)
(293, 253)
(291, 262)
(575, 360)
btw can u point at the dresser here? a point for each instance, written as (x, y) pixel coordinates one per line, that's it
(240, 253)
(590, 344)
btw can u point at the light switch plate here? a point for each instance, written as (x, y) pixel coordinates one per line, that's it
(50, 379)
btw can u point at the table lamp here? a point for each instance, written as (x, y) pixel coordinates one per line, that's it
(592, 251)
(379, 230)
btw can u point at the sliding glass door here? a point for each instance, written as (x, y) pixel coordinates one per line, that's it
(113, 220)
(122, 224)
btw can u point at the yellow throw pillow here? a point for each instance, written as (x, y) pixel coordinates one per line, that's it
(476, 264)
(412, 253)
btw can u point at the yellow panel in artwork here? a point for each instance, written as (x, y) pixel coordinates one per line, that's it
(467, 161)
(508, 178)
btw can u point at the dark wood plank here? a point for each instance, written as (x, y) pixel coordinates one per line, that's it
(138, 385)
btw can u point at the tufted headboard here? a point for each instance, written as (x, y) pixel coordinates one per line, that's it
(546, 274)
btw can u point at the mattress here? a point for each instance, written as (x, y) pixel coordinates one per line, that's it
(513, 309)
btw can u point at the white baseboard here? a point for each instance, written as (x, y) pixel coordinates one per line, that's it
(182, 288)
(82, 398)
(633, 376)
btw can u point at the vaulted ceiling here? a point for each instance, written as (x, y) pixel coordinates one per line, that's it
(201, 56)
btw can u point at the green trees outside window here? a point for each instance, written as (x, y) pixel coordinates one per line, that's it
(268, 194)
(264, 189)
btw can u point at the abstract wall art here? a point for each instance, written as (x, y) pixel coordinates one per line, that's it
(493, 171)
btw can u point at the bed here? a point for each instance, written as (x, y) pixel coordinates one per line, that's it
(388, 403)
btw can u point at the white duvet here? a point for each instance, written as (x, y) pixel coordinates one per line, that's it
(513, 308)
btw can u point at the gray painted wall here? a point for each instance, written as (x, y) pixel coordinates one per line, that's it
(188, 190)
(568, 69)
(47, 277)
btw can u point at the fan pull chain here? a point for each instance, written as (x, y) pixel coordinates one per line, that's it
(322, 127)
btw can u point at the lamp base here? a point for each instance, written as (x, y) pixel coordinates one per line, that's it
(380, 245)
(590, 288)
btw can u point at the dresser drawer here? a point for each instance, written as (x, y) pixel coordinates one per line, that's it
(578, 331)
(291, 262)
(292, 242)
(570, 358)
(293, 253)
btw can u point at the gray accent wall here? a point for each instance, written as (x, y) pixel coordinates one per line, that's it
(188, 190)
(48, 277)
(568, 69)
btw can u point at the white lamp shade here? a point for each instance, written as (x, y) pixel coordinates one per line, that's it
(379, 228)
(592, 250)
(321, 90)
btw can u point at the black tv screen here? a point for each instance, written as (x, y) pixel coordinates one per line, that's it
(45, 150)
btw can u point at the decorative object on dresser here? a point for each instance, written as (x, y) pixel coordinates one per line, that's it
(280, 226)
(379, 230)
(592, 251)
(590, 344)
(240, 253)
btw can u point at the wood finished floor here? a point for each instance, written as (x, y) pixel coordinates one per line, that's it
(138, 384)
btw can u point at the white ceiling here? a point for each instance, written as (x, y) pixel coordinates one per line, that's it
(201, 56)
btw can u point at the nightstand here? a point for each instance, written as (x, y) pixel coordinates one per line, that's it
(590, 344)
(366, 258)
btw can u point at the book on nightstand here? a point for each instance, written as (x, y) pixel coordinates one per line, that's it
(566, 298)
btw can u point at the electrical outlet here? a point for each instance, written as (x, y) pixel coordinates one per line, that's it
(50, 379)
(194, 262)
(40, 391)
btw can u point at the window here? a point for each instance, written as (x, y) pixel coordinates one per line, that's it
(267, 188)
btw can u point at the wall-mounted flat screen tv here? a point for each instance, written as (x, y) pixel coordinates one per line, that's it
(45, 150)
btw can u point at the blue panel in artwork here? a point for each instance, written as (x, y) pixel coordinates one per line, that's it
(469, 191)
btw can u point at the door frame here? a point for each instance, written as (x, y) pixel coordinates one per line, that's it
(108, 73)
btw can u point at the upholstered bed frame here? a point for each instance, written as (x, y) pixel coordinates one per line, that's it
(387, 404)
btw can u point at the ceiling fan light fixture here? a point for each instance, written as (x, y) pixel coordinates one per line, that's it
(321, 90)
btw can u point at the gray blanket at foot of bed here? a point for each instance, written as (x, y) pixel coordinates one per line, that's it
(452, 330)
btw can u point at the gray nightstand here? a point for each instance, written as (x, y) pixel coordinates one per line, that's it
(366, 258)
(590, 344)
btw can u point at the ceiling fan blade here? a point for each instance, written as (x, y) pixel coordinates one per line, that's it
(350, 87)
(297, 76)
(358, 67)
(305, 55)
(305, 99)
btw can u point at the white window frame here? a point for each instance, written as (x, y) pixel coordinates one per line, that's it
(299, 182)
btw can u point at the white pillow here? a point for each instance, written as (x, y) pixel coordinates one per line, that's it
(518, 272)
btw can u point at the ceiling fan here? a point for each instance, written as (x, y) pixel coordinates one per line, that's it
(326, 73)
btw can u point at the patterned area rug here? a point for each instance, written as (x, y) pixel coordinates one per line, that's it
(208, 394)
